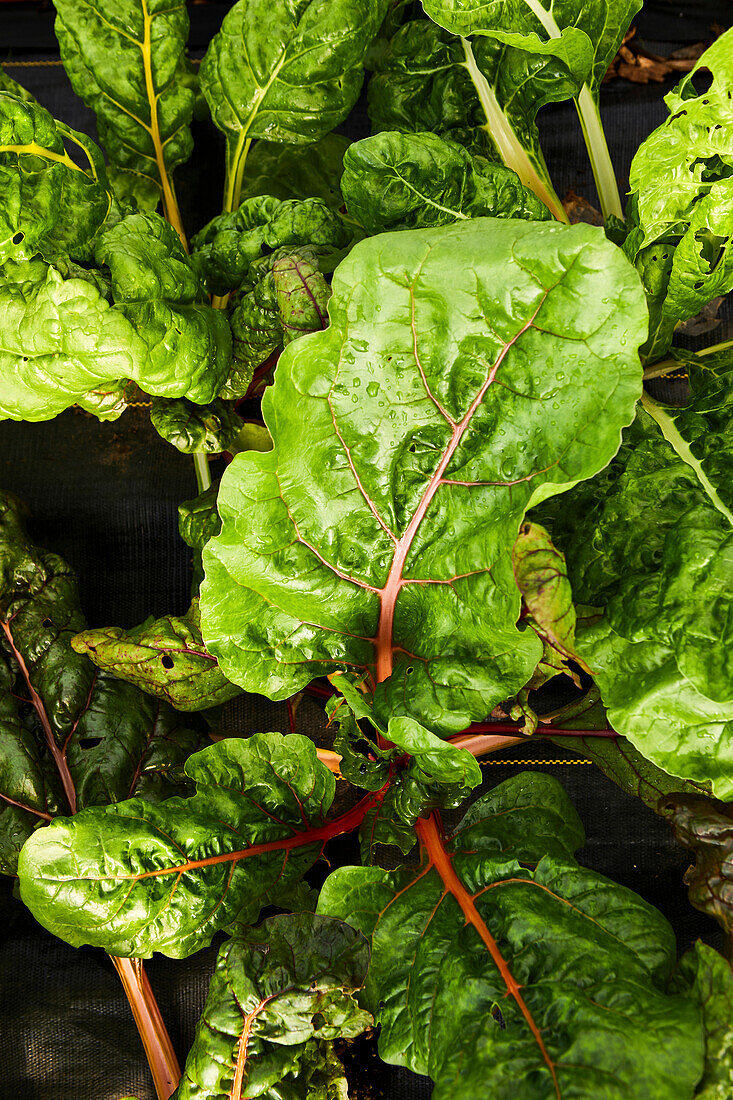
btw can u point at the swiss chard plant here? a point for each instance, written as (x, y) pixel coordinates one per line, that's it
(457, 486)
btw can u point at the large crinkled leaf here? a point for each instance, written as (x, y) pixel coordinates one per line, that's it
(297, 171)
(158, 290)
(137, 877)
(71, 736)
(409, 439)
(164, 657)
(285, 70)
(500, 966)
(656, 551)
(706, 827)
(278, 996)
(60, 340)
(188, 427)
(412, 181)
(126, 60)
(479, 92)
(52, 203)
(707, 978)
(226, 249)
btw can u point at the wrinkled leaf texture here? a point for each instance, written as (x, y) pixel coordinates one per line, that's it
(502, 967)
(409, 439)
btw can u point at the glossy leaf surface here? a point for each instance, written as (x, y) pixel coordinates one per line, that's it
(285, 70)
(188, 427)
(126, 60)
(49, 204)
(412, 181)
(278, 995)
(71, 736)
(165, 658)
(654, 550)
(499, 959)
(137, 877)
(365, 545)
(297, 171)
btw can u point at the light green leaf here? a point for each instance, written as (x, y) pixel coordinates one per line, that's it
(376, 536)
(210, 428)
(49, 204)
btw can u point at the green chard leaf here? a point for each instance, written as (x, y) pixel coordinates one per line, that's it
(584, 37)
(681, 201)
(231, 249)
(310, 171)
(50, 205)
(285, 70)
(127, 62)
(706, 977)
(479, 92)
(655, 553)
(376, 536)
(64, 341)
(278, 997)
(412, 181)
(211, 428)
(499, 959)
(137, 877)
(165, 658)
(71, 736)
(198, 519)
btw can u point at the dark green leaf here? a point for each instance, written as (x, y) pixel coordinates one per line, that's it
(285, 70)
(211, 428)
(71, 736)
(165, 658)
(377, 534)
(707, 978)
(479, 92)
(49, 204)
(278, 995)
(411, 181)
(127, 62)
(137, 877)
(198, 519)
(500, 966)
(297, 171)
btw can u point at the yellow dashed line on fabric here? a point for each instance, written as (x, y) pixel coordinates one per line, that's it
(541, 763)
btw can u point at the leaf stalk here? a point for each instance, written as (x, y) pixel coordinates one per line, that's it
(156, 1040)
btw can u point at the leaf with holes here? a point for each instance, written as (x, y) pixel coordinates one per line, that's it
(49, 204)
(138, 877)
(412, 181)
(71, 736)
(681, 199)
(479, 92)
(127, 62)
(409, 439)
(165, 658)
(278, 997)
(500, 965)
(285, 70)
